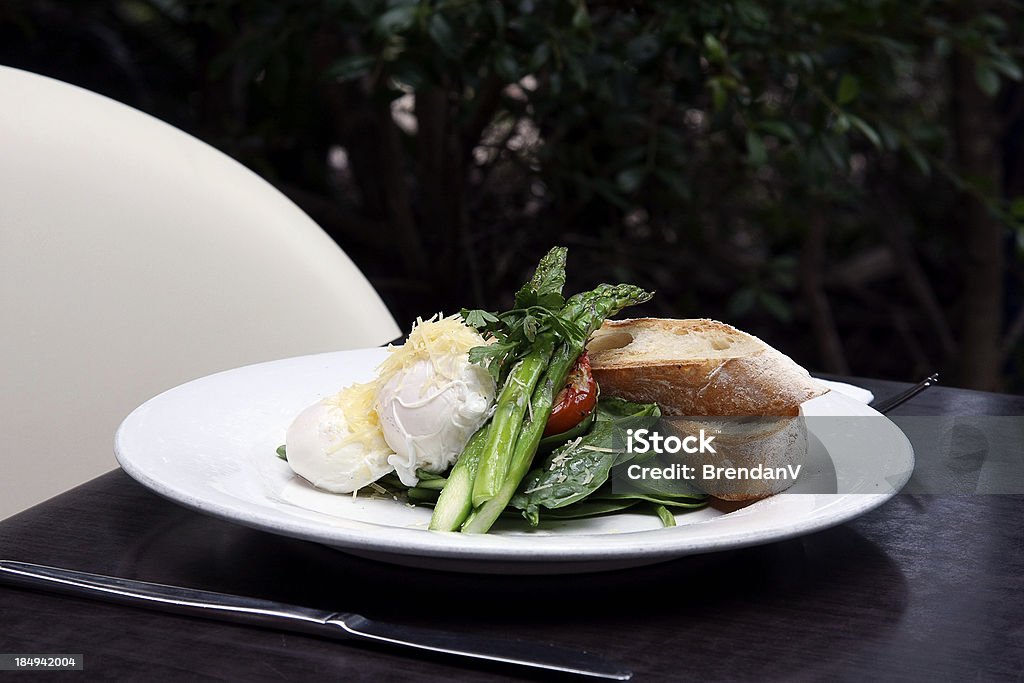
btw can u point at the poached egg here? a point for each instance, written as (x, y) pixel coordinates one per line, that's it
(336, 444)
(425, 403)
(429, 410)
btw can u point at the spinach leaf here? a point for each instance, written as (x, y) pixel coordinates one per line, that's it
(589, 508)
(697, 500)
(580, 467)
(549, 443)
(666, 517)
(571, 473)
(615, 409)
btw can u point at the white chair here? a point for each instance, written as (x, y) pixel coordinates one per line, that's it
(134, 257)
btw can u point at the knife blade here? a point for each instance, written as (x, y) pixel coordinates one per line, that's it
(308, 620)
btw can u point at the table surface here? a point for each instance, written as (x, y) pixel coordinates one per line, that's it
(923, 588)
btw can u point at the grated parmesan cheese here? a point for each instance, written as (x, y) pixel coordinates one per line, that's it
(356, 403)
(439, 340)
(601, 449)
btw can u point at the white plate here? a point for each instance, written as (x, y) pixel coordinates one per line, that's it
(856, 393)
(209, 444)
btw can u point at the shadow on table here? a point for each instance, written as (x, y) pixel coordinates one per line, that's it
(767, 606)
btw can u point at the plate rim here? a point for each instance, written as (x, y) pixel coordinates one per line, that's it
(521, 548)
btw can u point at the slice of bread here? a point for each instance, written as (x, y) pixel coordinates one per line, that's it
(701, 369)
(697, 367)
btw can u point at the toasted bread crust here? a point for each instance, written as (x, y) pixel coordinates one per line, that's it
(737, 375)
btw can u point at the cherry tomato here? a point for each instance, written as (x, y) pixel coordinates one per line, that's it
(575, 401)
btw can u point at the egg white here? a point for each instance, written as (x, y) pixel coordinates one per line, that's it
(312, 445)
(429, 411)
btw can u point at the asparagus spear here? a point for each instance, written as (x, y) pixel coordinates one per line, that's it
(515, 403)
(455, 502)
(511, 408)
(515, 336)
(549, 278)
(588, 311)
(498, 441)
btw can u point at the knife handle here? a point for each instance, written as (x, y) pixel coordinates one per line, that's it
(189, 601)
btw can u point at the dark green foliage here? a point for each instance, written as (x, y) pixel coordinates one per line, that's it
(690, 147)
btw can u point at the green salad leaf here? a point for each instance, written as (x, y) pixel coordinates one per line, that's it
(573, 481)
(581, 466)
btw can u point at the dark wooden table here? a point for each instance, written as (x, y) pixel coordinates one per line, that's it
(923, 588)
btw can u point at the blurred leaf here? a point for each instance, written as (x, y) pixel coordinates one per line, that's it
(675, 182)
(742, 302)
(715, 51)
(578, 72)
(870, 133)
(920, 160)
(540, 56)
(1017, 208)
(396, 19)
(581, 17)
(363, 8)
(986, 78)
(751, 13)
(757, 155)
(630, 179)
(410, 72)
(505, 67)
(348, 68)
(779, 129)
(992, 21)
(1007, 67)
(642, 49)
(890, 136)
(443, 36)
(497, 10)
(849, 88)
(775, 305)
(609, 193)
(828, 146)
(719, 95)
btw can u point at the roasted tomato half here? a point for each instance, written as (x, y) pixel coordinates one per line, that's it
(575, 401)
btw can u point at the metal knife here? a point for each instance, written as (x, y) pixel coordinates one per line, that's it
(277, 615)
(884, 406)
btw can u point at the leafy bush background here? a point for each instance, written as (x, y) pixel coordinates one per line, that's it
(844, 179)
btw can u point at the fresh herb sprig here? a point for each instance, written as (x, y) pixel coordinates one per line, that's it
(514, 332)
(538, 309)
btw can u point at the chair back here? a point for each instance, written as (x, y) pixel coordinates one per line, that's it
(134, 257)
